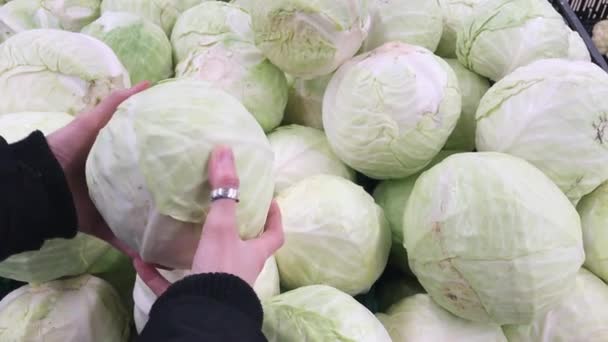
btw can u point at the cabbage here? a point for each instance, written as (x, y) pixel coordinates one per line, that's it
(503, 35)
(581, 316)
(209, 24)
(319, 313)
(334, 235)
(309, 39)
(472, 88)
(418, 318)
(22, 15)
(214, 42)
(593, 210)
(266, 287)
(391, 196)
(83, 309)
(388, 112)
(53, 70)
(57, 257)
(455, 13)
(147, 171)
(409, 21)
(546, 114)
(141, 46)
(304, 106)
(478, 215)
(300, 152)
(163, 13)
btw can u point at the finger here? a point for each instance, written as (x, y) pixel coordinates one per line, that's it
(151, 277)
(102, 113)
(273, 237)
(222, 174)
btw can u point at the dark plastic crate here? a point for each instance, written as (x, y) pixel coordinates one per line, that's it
(581, 15)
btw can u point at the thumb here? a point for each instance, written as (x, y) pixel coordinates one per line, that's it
(101, 114)
(151, 277)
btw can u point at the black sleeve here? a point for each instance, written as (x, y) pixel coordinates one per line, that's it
(35, 200)
(206, 307)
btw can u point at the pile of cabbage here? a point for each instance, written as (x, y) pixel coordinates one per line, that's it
(441, 166)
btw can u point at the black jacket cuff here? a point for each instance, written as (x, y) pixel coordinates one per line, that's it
(34, 156)
(225, 288)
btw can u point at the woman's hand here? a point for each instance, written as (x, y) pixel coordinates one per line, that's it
(71, 146)
(221, 250)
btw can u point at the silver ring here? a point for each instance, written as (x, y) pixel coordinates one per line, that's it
(225, 193)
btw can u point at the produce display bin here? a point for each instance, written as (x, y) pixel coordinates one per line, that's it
(581, 15)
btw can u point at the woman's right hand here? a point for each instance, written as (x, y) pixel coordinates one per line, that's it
(220, 249)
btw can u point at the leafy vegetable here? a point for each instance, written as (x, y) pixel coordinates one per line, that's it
(593, 210)
(141, 46)
(418, 318)
(53, 70)
(334, 235)
(84, 308)
(388, 112)
(476, 215)
(319, 313)
(408, 21)
(545, 114)
(147, 169)
(309, 39)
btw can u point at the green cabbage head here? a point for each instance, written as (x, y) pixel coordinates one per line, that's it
(266, 287)
(418, 318)
(392, 195)
(309, 38)
(53, 70)
(70, 15)
(163, 13)
(593, 210)
(214, 42)
(472, 87)
(83, 308)
(301, 152)
(147, 171)
(57, 257)
(341, 240)
(388, 112)
(581, 316)
(547, 114)
(491, 238)
(503, 35)
(413, 22)
(142, 47)
(320, 313)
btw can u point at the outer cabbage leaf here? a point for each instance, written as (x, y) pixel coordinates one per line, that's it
(593, 210)
(503, 35)
(53, 70)
(388, 112)
(319, 313)
(83, 309)
(408, 21)
(418, 318)
(478, 215)
(142, 47)
(309, 38)
(581, 316)
(341, 240)
(147, 170)
(546, 114)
